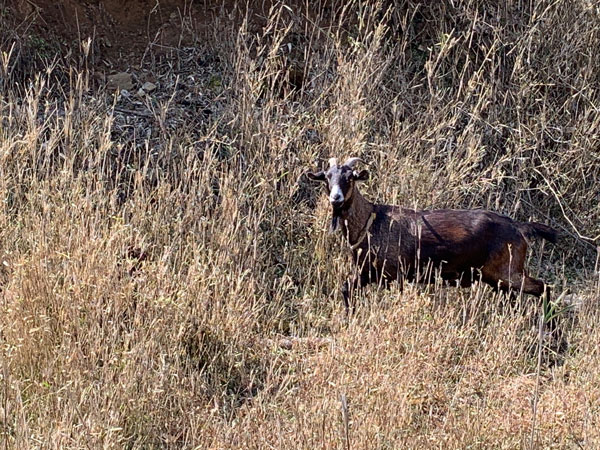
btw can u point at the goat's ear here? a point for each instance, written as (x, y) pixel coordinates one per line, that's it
(318, 176)
(363, 175)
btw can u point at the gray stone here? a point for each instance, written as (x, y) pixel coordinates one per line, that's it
(148, 87)
(121, 80)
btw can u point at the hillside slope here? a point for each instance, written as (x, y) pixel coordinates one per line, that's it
(166, 273)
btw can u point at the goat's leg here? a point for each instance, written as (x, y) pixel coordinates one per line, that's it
(535, 287)
(509, 296)
(505, 270)
(350, 286)
(348, 290)
(519, 284)
(541, 290)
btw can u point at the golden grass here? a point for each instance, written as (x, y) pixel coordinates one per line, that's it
(180, 289)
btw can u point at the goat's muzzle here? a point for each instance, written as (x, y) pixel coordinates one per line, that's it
(336, 203)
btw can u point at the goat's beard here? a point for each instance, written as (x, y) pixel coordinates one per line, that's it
(335, 223)
(336, 217)
(339, 213)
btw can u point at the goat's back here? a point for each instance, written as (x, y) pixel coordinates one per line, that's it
(456, 240)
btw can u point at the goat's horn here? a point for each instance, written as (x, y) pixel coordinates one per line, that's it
(332, 162)
(351, 162)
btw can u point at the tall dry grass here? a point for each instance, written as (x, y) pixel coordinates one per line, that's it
(179, 289)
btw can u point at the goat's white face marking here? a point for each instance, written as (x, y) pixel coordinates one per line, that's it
(339, 181)
(336, 195)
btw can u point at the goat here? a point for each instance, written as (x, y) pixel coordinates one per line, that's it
(391, 243)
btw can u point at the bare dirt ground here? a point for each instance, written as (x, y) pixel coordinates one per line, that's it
(122, 30)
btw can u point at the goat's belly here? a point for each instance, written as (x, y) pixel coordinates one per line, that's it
(393, 266)
(383, 263)
(428, 271)
(465, 277)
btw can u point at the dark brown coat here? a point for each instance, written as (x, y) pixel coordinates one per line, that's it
(458, 245)
(461, 246)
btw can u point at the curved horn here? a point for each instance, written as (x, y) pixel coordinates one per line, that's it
(351, 162)
(332, 162)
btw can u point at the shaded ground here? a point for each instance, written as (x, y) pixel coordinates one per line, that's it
(122, 31)
(125, 31)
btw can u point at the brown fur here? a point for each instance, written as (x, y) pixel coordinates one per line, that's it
(461, 246)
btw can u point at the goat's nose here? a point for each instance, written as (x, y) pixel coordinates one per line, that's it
(336, 199)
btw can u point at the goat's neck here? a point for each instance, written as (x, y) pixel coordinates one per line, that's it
(356, 218)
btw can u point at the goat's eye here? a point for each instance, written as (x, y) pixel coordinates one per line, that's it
(328, 176)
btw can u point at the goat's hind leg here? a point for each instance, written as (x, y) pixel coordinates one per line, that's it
(524, 284)
(541, 290)
(533, 286)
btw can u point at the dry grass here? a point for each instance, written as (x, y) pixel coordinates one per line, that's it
(179, 289)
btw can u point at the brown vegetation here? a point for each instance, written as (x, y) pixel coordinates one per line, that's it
(166, 273)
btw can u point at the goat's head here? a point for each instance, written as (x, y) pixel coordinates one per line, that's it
(340, 181)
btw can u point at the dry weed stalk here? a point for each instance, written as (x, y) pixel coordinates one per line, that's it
(148, 259)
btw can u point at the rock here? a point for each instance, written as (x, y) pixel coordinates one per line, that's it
(121, 80)
(574, 301)
(148, 87)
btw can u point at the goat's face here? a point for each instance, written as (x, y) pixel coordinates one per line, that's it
(340, 182)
